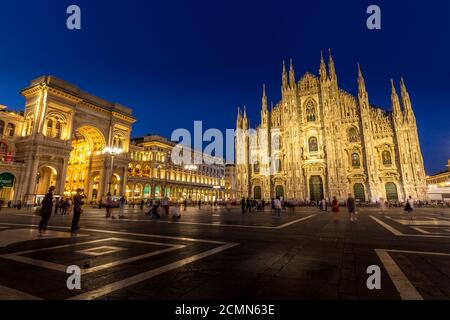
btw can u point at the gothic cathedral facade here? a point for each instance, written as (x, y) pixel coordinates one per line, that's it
(320, 141)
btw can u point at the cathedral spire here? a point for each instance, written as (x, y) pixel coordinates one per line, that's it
(291, 75)
(284, 78)
(331, 68)
(264, 99)
(244, 119)
(406, 101)
(239, 119)
(322, 69)
(396, 110)
(361, 82)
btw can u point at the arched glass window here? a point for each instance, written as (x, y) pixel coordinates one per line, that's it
(311, 111)
(2, 126)
(356, 162)
(353, 135)
(10, 128)
(312, 144)
(387, 159)
(58, 130)
(49, 127)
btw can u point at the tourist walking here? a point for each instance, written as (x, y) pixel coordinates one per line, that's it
(277, 205)
(409, 208)
(335, 209)
(351, 207)
(248, 206)
(122, 201)
(46, 211)
(165, 205)
(77, 210)
(382, 206)
(108, 206)
(243, 205)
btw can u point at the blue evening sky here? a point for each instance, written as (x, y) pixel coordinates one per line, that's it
(174, 62)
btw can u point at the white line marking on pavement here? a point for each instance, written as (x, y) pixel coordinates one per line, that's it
(13, 294)
(388, 227)
(18, 256)
(214, 224)
(405, 288)
(123, 233)
(94, 294)
(400, 234)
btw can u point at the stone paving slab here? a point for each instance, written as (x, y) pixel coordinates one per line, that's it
(312, 257)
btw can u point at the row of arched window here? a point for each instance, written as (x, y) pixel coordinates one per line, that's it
(7, 130)
(54, 128)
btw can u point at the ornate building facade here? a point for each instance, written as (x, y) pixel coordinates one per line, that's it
(60, 139)
(320, 141)
(70, 139)
(153, 174)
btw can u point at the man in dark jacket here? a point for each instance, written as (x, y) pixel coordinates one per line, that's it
(351, 206)
(77, 210)
(46, 210)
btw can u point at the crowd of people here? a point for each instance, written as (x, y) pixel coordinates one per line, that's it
(157, 208)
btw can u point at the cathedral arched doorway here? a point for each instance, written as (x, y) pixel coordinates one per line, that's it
(87, 142)
(257, 193)
(316, 188)
(46, 177)
(279, 192)
(391, 192)
(358, 191)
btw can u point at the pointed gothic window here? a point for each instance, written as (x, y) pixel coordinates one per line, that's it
(387, 159)
(310, 111)
(312, 144)
(256, 167)
(356, 163)
(353, 135)
(2, 126)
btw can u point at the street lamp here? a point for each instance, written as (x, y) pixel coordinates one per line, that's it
(112, 151)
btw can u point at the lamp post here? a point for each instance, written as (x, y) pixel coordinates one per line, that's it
(112, 151)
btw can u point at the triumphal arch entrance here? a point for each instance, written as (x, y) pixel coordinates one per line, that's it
(72, 140)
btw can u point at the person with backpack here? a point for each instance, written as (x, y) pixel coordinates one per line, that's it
(77, 210)
(108, 205)
(409, 208)
(46, 211)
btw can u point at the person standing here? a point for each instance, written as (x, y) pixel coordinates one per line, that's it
(108, 205)
(248, 206)
(122, 201)
(335, 209)
(243, 206)
(382, 206)
(278, 206)
(77, 210)
(199, 204)
(46, 211)
(351, 207)
(409, 208)
(19, 205)
(165, 205)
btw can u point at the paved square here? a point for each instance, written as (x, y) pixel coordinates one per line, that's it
(221, 254)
